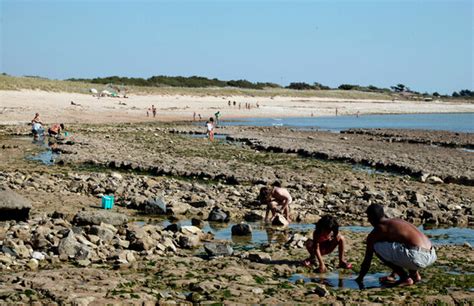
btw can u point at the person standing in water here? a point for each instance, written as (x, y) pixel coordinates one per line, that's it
(210, 129)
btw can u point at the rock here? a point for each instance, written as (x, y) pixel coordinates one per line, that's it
(218, 249)
(99, 216)
(259, 257)
(174, 227)
(83, 262)
(252, 217)
(116, 175)
(191, 230)
(467, 245)
(13, 206)
(279, 220)
(434, 180)
(257, 291)
(38, 255)
(218, 215)
(69, 247)
(320, 290)
(83, 301)
(391, 212)
(33, 264)
(197, 223)
(241, 229)
(189, 242)
(199, 204)
(156, 206)
(424, 176)
(418, 199)
(103, 232)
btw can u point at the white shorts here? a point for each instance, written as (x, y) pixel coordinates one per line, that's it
(411, 258)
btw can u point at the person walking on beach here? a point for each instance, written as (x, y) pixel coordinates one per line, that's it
(326, 238)
(194, 116)
(399, 245)
(277, 199)
(210, 129)
(217, 115)
(153, 110)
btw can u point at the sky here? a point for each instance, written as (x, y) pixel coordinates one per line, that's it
(427, 45)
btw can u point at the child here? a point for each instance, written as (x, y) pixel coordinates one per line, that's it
(210, 129)
(325, 239)
(277, 199)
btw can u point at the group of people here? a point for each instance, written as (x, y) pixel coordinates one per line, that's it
(246, 105)
(151, 110)
(37, 128)
(399, 244)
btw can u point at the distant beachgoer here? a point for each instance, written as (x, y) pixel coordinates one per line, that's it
(194, 116)
(148, 112)
(36, 126)
(399, 245)
(277, 199)
(199, 115)
(210, 129)
(153, 110)
(55, 129)
(326, 238)
(357, 114)
(258, 105)
(336, 111)
(312, 114)
(228, 103)
(217, 115)
(240, 105)
(235, 103)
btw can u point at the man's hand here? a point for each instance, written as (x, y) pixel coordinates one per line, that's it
(322, 269)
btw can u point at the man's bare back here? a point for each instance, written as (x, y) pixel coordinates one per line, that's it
(397, 230)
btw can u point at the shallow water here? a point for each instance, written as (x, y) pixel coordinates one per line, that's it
(264, 234)
(47, 157)
(339, 279)
(461, 122)
(200, 136)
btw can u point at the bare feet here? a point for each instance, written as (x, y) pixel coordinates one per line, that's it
(405, 282)
(345, 265)
(415, 276)
(389, 279)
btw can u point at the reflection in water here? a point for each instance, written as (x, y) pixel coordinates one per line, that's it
(340, 280)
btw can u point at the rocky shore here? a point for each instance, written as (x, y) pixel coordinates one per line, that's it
(69, 250)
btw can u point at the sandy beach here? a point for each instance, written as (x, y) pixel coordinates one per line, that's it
(17, 107)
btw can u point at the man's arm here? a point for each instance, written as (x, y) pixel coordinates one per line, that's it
(369, 253)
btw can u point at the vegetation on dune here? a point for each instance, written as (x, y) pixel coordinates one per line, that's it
(202, 86)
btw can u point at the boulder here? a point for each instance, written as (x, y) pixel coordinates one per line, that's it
(218, 215)
(218, 249)
(13, 206)
(103, 232)
(253, 217)
(241, 229)
(70, 247)
(434, 180)
(173, 227)
(280, 221)
(197, 222)
(189, 242)
(259, 257)
(97, 217)
(155, 206)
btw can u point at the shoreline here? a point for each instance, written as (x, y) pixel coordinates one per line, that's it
(19, 107)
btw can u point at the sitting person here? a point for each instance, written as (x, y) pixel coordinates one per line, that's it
(399, 245)
(325, 239)
(277, 200)
(55, 129)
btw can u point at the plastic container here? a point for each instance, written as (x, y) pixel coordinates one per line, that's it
(107, 202)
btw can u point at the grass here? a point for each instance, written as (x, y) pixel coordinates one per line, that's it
(36, 83)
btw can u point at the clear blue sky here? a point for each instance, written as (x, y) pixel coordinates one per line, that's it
(427, 45)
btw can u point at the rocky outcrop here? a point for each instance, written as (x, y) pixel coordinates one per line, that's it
(13, 206)
(97, 217)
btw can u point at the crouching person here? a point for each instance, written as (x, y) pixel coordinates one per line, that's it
(399, 245)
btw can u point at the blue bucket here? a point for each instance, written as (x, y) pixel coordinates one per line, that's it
(107, 202)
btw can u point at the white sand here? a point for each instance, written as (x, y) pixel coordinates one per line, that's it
(20, 106)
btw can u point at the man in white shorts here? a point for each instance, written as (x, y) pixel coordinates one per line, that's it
(400, 246)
